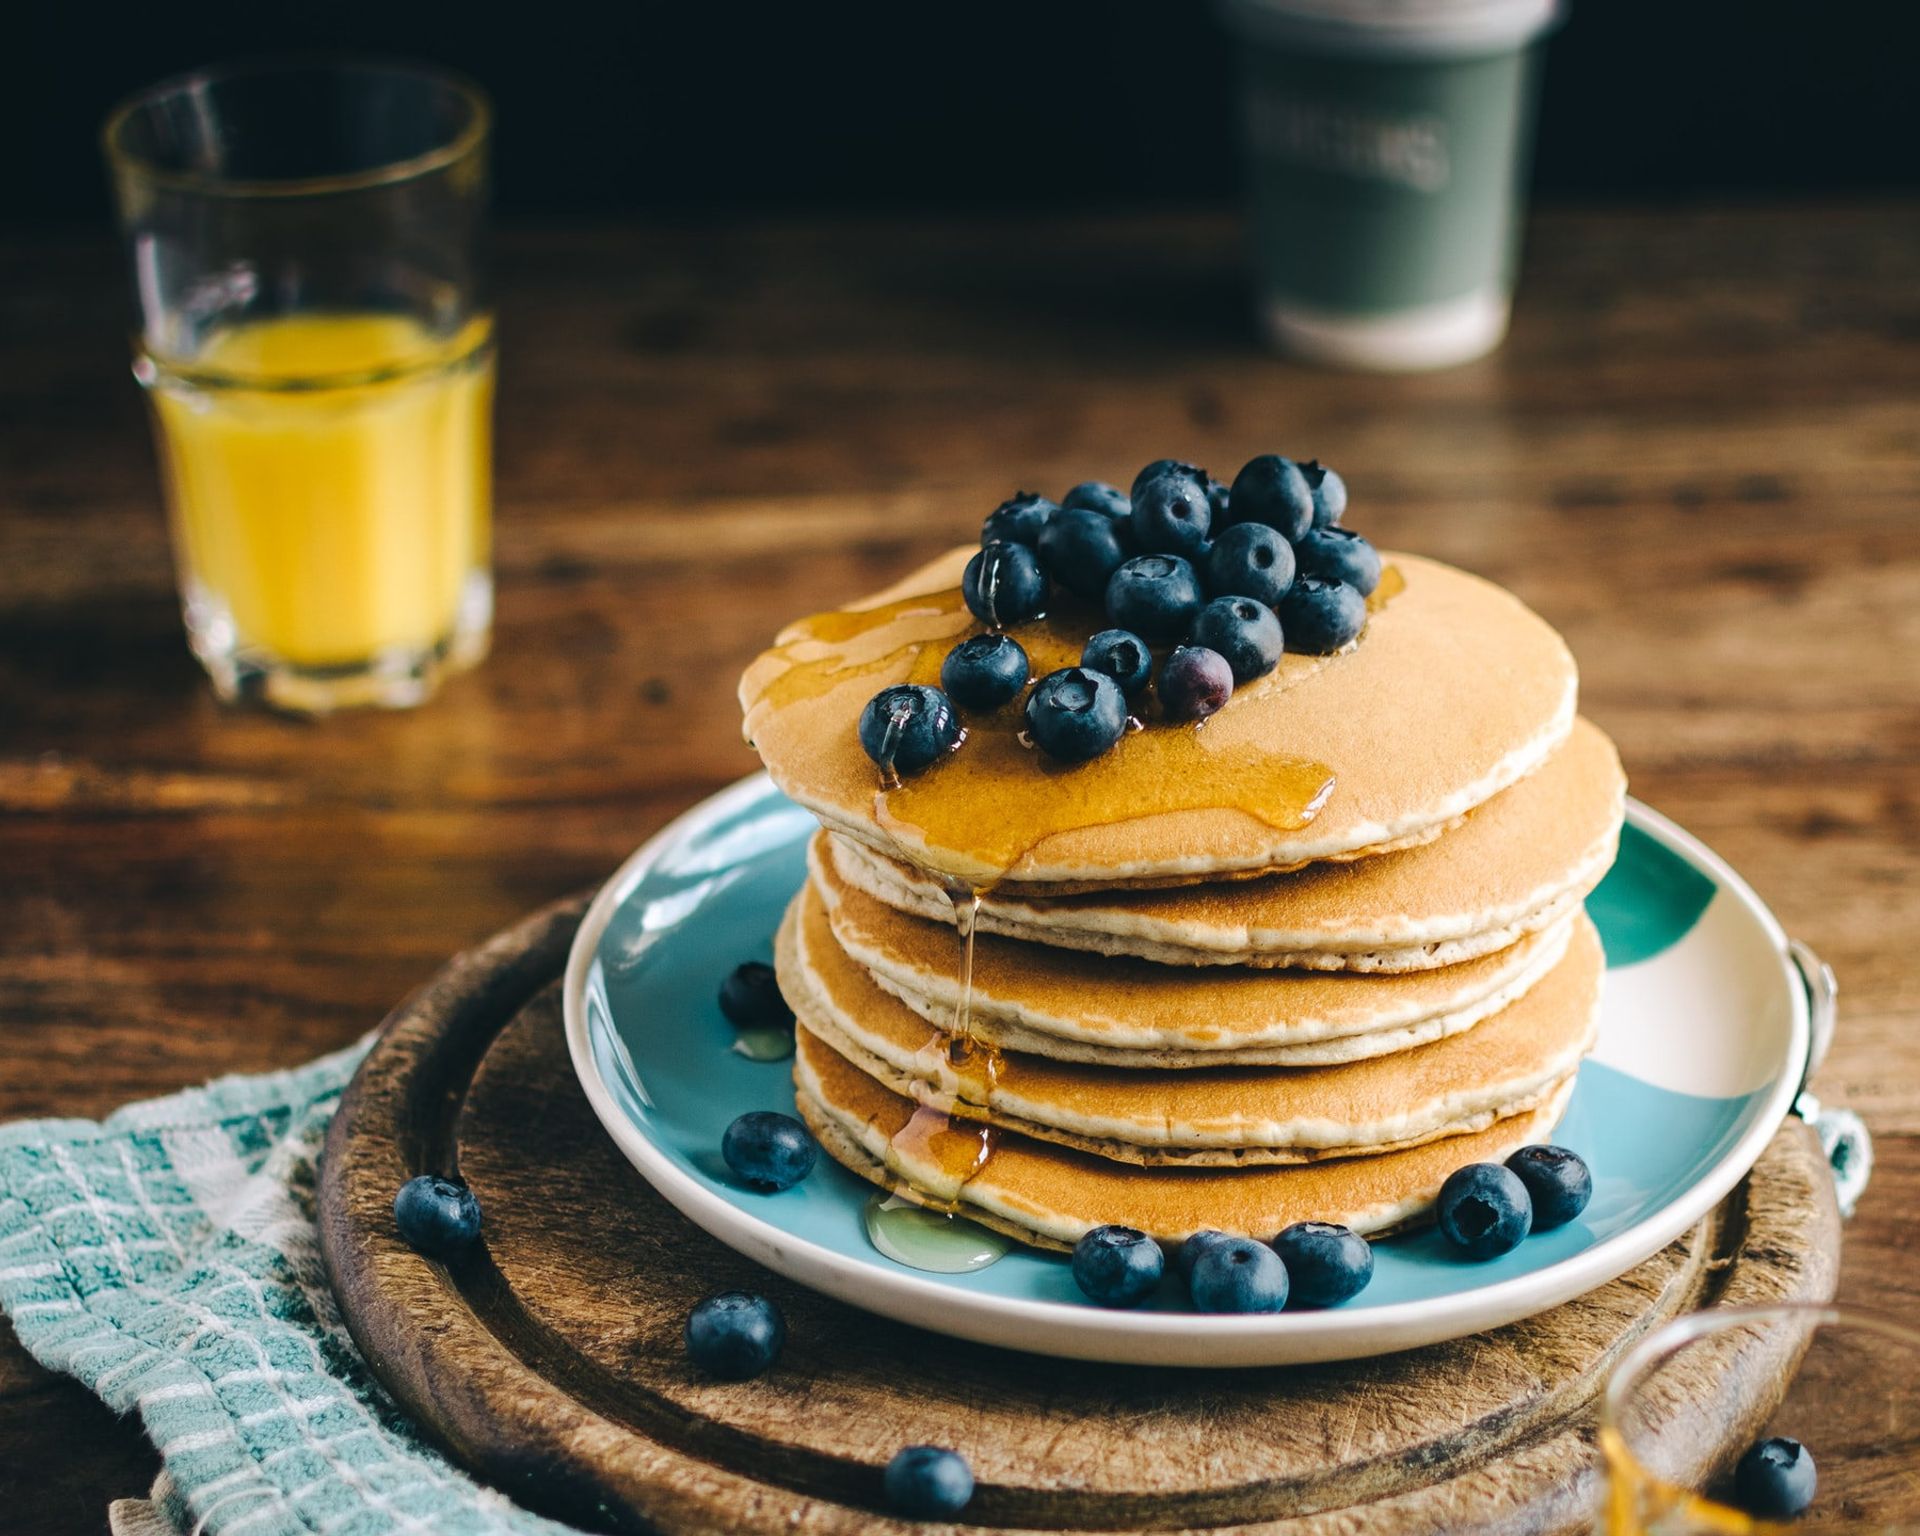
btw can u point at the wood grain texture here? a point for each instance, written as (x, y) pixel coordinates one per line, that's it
(552, 1363)
(1699, 456)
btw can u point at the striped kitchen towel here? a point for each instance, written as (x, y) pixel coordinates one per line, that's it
(167, 1257)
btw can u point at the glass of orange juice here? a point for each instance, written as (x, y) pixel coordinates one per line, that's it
(318, 354)
(1767, 1419)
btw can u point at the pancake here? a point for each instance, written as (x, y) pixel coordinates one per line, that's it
(1207, 1116)
(1454, 691)
(1117, 1010)
(1049, 1196)
(1517, 865)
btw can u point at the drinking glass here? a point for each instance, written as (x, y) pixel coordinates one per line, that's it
(1852, 1402)
(318, 356)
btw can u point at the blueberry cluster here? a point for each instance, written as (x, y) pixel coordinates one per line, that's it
(1486, 1209)
(1213, 581)
(1310, 1264)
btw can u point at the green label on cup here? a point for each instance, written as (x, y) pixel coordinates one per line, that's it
(1384, 184)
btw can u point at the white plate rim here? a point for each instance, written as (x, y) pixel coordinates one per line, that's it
(1066, 1330)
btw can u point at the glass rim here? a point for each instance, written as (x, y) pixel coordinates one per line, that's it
(1676, 1334)
(470, 137)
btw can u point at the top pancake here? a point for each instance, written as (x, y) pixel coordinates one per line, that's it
(1454, 691)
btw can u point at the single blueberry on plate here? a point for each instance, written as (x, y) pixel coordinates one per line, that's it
(1194, 1246)
(1019, 519)
(1219, 498)
(1123, 656)
(1097, 496)
(1776, 1479)
(768, 1151)
(1242, 629)
(1161, 467)
(1238, 1275)
(437, 1217)
(750, 998)
(1320, 616)
(928, 1482)
(1339, 554)
(1171, 515)
(1558, 1182)
(1194, 683)
(1329, 493)
(1076, 714)
(908, 726)
(1484, 1210)
(1081, 549)
(1004, 584)
(1328, 1264)
(1272, 490)
(1250, 560)
(1117, 1266)
(985, 671)
(735, 1335)
(1155, 596)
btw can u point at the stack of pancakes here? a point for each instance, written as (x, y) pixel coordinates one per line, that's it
(1298, 963)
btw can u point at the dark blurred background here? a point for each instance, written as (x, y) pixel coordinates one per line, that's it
(611, 111)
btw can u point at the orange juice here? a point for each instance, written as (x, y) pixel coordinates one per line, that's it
(329, 479)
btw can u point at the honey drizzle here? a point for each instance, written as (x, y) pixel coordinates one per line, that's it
(999, 797)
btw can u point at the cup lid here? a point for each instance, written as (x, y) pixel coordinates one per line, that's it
(1406, 28)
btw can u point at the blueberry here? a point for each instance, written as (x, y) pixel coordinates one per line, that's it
(1196, 1245)
(436, 1216)
(768, 1151)
(1155, 596)
(735, 1335)
(1020, 519)
(1194, 683)
(1328, 1264)
(1775, 1480)
(1250, 560)
(1339, 554)
(1320, 616)
(1123, 656)
(1219, 498)
(908, 726)
(1117, 1266)
(1485, 1210)
(1097, 496)
(1238, 1275)
(1558, 1182)
(1081, 549)
(1075, 714)
(1242, 629)
(1329, 493)
(1004, 584)
(926, 1482)
(1161, 467)
(1171, 515)
(985, 671)
(1272, 490)
(750, 998)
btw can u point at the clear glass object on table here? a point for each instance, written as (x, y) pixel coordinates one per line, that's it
(1852, 1403)
(318, 354)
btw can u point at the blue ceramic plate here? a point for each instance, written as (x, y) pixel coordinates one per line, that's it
(1704, 1040)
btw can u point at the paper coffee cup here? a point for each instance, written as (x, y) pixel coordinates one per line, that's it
(1388, 145)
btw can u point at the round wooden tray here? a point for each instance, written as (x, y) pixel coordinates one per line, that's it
(550, 1364)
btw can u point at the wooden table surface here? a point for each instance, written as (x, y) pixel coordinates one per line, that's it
(1699, 456)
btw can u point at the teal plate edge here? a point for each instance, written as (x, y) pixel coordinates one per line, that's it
(736, 857)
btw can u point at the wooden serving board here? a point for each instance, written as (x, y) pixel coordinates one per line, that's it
(551, 1364)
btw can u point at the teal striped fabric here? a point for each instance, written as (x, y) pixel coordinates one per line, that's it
(167, 1257)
